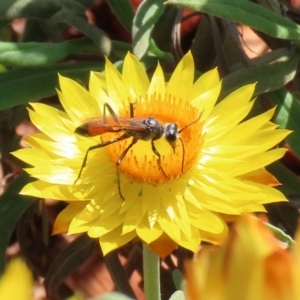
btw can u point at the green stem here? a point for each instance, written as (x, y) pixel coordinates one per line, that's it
(151, 264)
(282, 236)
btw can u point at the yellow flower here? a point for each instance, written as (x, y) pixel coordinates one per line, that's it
(251, 264)
(17, 281)
(212, 167)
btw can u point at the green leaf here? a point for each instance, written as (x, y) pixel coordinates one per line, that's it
(281, 235)
(289, 180)
(177, 278)
(287, 116)
(73, 256)
(160, 55)
(245, 12)
(112, 296)
(117, 273)
(34, 83)
(123, 11)
(268, 77)
(162, 32)
(62, 11)
(13, 9)
(33, 54)
(146, 17)
(120, 49)
(178, 295)
(12, 206)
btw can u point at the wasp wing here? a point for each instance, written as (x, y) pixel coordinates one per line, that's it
(100, 125)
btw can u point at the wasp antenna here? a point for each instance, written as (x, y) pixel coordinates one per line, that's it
(188, 125)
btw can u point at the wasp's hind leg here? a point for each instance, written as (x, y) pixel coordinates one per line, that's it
(158, 158)
(119, 162)
(123, 137)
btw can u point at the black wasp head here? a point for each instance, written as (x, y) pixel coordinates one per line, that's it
(171, 134)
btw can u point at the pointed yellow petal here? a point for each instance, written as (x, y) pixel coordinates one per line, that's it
(115, 240)
(117, 89)
(71, 96)
(98, 89)
(163, 246)
(157, 84)
(205, 82)
(147, 234)
(206, 101)
(135, 77)
(63, 220)
(181, 81)
(17, 281)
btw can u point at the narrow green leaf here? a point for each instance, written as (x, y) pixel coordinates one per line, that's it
(160, 55)
(177, 278)
(63, 11)
(12, 9)
(123, 11)
(33, 54)
(120, 49)
(99, 37)
(287, 116)
(112, 296)
(33, 83)
(162, 32)
(245, 12)
(178, 295)
(12, 206)
(73, 256)
(281, 235)
(146, 17)
(290, 181)
(268, 77)
(117, 273)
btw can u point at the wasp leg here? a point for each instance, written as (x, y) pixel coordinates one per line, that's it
(111, 111)
(132, 108)
(159, 158)
(118, 164)
(122, 137)
(183, 154)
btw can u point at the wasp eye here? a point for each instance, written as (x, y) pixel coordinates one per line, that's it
(171, 132)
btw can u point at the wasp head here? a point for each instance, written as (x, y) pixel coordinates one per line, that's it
(171, 134)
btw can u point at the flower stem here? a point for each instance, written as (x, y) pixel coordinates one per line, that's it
(151, 264)
(281, 235)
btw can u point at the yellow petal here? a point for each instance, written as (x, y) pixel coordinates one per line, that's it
(135, 77)
(117, 89)
(182, 79)
(17, 281)
(157, 84)
(71, 96)
(163, 246)
(115, 240)
(205, 82)
(63, 220)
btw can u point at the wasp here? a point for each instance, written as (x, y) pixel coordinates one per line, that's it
(136, 128)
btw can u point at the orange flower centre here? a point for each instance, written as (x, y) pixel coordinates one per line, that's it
(141, 162)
